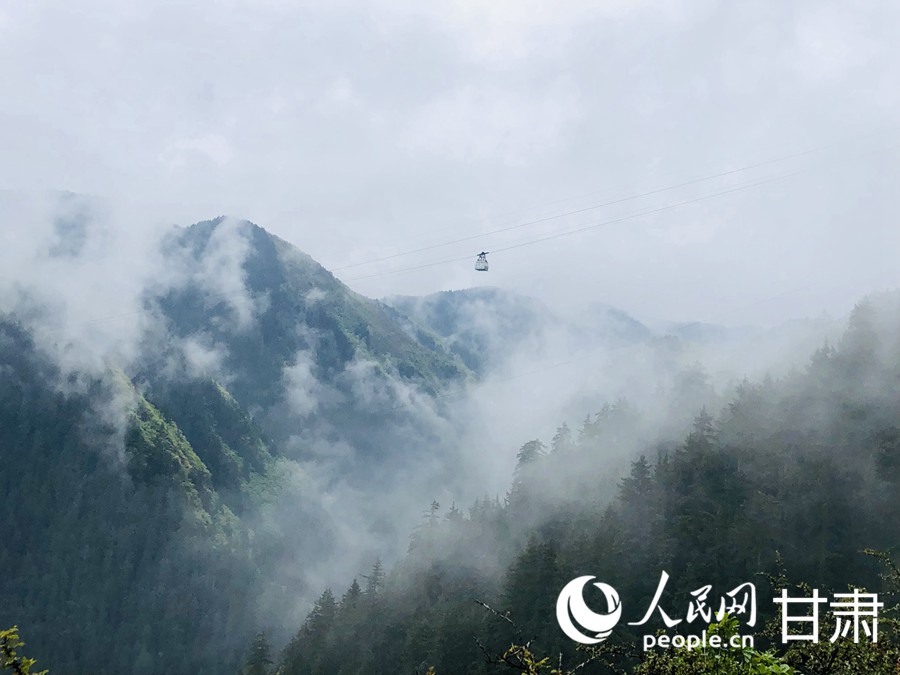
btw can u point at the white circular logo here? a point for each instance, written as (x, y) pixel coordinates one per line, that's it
(570, 605)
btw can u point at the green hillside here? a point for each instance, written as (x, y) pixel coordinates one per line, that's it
(788, 486)
(304, 309)
(112, 561)
(150, 524)
(130, 502)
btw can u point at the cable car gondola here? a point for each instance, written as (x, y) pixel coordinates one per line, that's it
(481, 263)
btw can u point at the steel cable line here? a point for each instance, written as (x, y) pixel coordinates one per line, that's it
(613, 221)
(224, 294)
(648, 212)
(854, 139)
(585, 209)
(221, 295)
(721, 174)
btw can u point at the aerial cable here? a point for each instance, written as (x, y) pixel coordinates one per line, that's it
(585, 209)
(221, 295)
(646, 213)
(613, 221)
(224, 294)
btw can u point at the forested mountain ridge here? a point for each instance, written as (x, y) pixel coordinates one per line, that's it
(796, 475)
(484, 325)
(479, 324)
(299, 349)
(116, 545)
(135, 496)
(160, 511)
(300, 315)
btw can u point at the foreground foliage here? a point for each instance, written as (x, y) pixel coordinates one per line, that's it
(10, 659)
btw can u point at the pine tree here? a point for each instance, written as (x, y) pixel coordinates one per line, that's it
(431, 514)
(351, 598)
(454, 515)
(260, 658)
(587, 431)
(562, 441)
(519, 498)
(530, 453)
(375, 580)
(703, 433)
(635, 489)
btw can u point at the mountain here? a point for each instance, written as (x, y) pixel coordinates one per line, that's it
(485, 325)
(611, 326)
(479, 324)
(269, 432)
(791, 485)
(305, 309)
(696, 331)
(117, 545)
(156, 508)
(313, 356)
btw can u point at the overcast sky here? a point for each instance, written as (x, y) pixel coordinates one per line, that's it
(358, 130)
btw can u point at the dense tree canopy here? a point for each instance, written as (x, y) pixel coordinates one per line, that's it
(797, 474)
(143, 562)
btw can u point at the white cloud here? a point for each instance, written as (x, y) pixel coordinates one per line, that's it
(220, 272)
(303, 391)
(830, 42)
(202, 359)
(473, 124)
(209, 148)
(352, 127)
